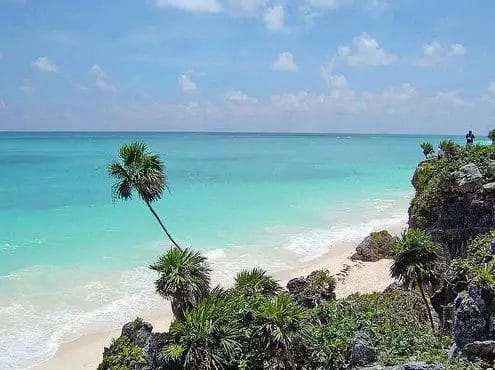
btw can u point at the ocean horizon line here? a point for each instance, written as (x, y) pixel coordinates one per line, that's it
(274, 133)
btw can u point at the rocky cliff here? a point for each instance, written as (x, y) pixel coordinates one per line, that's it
(455, 197)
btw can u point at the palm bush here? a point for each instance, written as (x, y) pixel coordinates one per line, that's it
(184, 278)
(140, 171)
(256, 280)
(203, 340)
(416, 263)
(491, 136)
(427, 149)
(280, 331)
(449, 148)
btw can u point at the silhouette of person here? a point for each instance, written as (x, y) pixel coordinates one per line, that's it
(469, 138)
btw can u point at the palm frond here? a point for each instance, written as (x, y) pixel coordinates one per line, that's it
(256, 280)
(416, 259)
(184, 276)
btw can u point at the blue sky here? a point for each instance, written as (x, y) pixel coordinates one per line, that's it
(248, 65)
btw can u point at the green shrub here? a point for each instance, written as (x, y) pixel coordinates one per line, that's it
(397, 324)
(462, 364)
(122, 355)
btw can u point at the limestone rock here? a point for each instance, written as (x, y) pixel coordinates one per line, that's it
(374, 247)
(490, 170)
(138, 331)
(312, 290)
(484, 350)
(361, 351)
(467, 179)
(473, 316)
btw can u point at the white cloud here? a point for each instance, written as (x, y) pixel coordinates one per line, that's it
(274, 18)
(104, 85)
(3, 105)
(208, 6)
(491, 87)
(285, 62)
(186, 84)
(97, 71)
(26, 86)
(336, 83)
(365, 51)
(44, 64)
(456, 50)
(238, 97)
(435, 53)
(80, 87)
(451, 98)
(102, 81)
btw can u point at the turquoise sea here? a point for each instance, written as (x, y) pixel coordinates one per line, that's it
(73, 261)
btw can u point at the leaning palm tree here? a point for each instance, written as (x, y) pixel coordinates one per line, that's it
(140, 171)
(416, 263)
(184, 279)
(427, 149)
(491, 136)
(256, 280)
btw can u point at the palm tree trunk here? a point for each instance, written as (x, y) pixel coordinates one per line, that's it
(161, 224)
(423, 295)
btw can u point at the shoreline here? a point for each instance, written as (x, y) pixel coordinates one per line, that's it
(86, 351)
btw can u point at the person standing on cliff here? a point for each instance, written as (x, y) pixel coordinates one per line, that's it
(440, 152)
(469, 138)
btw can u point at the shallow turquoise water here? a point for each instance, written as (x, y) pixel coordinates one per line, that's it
(70, 258)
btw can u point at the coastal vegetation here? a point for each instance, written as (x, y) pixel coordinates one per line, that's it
(491, 136)
(416, 263)
(428, 149)
(439, 312)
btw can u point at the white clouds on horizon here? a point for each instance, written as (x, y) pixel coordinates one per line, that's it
(208, 6)
(285, 62)
(435, 53)
(238, 97)
(451, 97)
(44, 64)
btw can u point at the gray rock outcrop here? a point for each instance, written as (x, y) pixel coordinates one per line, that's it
(361, 350)
(374, 247)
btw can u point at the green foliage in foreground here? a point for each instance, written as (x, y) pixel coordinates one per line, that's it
(397, 323)
(416, 263)
(122, 355)
(431, 178)
(259, 331)
(461, 364)
(476, 266)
